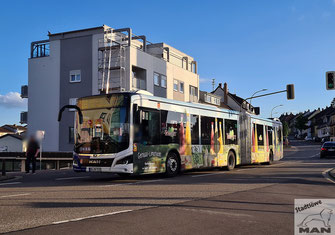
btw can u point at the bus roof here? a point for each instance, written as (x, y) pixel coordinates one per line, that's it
(187, 104)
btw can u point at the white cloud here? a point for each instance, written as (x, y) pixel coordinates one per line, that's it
(203, 80)
(12, 100)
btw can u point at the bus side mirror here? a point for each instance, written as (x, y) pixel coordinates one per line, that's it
(70, 107)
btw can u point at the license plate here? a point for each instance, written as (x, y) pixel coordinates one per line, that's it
(331, 150)
(95, 169)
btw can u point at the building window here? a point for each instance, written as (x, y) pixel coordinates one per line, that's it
(72, 101)
(163, 81)
(139, 78)
(71, 135)
(175, 85)
(156, 79)
(181, 87)
(75, 76)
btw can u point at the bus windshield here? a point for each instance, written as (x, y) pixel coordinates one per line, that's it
(104, 130)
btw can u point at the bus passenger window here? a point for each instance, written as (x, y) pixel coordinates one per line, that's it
(171, 122)
(150, 127)
(230, 132)
(207, 130)
(195, 129)
(260, 135)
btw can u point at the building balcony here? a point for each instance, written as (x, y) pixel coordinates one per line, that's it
(40, 49)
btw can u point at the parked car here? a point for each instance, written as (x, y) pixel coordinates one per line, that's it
(327, 149)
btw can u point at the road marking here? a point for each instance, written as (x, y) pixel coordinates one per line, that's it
(133, 183)
(316, 163)
(91, 217)
(10, 183)
(194, 176)
(16, 195)
(326, 175)
(314, 155)
(73, 178)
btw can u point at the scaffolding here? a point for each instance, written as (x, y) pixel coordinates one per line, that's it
(112, 62)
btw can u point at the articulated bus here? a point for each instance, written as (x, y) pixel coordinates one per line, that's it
(137, 133)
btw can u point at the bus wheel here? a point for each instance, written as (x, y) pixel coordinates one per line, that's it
(231, 161)
(172, 165)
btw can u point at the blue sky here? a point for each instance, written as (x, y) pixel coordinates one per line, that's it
(251, 45)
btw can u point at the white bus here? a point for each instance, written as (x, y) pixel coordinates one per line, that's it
(134, 133)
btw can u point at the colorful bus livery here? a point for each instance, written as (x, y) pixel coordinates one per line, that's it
(137, 133)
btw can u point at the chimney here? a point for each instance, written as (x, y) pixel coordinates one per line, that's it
(225, 90)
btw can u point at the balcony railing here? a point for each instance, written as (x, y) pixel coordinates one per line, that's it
(40, 49)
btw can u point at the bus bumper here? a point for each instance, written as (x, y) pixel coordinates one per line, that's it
(118, 168)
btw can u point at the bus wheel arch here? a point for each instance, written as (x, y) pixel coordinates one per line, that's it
(172, 163)
(231, 160)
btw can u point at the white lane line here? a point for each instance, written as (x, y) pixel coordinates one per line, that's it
(326, 175)
(314, 155)
(16, 195)
(194, 176)
(91, 217)
(73, 178)
(316, 163)
(10, 183)
(133, 183)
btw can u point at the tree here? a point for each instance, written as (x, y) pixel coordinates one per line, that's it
(286, 129)
(301, 123)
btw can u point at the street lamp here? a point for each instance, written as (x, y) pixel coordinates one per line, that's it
(275, 107)
(256, 93)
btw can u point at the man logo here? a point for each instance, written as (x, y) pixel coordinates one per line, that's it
(323, 218)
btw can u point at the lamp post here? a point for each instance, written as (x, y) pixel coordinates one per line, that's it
(275, 107)
(256, 93)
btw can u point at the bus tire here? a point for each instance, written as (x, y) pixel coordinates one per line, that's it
(231, 161)
(172, 165)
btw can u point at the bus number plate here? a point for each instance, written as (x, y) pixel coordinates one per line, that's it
(95, 169)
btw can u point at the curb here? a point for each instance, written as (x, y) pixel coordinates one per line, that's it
(3, 178)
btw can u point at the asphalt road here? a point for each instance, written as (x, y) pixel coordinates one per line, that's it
(250, 200)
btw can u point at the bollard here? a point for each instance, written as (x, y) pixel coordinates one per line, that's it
(3, 167)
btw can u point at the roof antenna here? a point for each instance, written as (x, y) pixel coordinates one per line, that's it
(213, 84)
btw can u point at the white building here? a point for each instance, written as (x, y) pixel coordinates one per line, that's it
(97, 60)
(11, 143)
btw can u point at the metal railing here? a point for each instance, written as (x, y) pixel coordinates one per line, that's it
(16, 161)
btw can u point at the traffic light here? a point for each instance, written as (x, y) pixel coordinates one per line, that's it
(330, 83)
(290, 91)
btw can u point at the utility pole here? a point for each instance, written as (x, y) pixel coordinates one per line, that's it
(213, 84)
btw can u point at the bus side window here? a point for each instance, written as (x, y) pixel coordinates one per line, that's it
(207, 129)
(230, 131)
(150, 127)
(260, 134)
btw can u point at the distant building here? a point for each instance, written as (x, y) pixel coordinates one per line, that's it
(11, 143)
(232, 100)
(94, 61)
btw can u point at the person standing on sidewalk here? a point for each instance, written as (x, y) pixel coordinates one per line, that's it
(33, 150)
